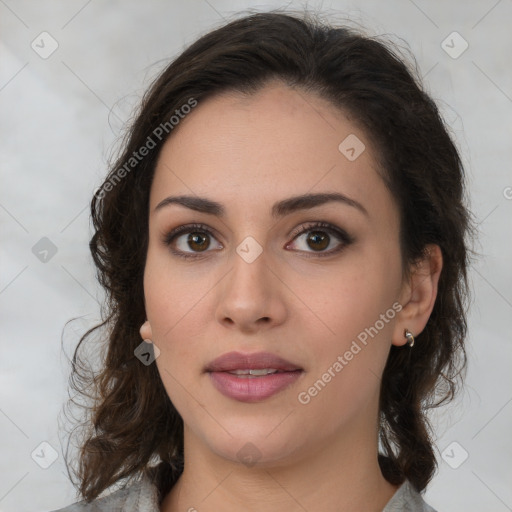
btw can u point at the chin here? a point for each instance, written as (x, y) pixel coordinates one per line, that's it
(260, 444)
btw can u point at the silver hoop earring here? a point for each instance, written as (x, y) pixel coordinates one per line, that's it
(410, 337)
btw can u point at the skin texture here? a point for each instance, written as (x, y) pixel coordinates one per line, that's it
(248, 153)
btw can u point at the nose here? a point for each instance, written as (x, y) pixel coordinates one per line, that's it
(252, 296)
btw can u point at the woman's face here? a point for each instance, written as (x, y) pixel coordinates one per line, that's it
(325, 300)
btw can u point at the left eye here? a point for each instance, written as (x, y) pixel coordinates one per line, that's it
(319, 237)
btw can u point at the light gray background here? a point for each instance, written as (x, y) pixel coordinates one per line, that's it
(60, 119)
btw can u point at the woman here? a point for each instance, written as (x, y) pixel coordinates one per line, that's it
(283, 244)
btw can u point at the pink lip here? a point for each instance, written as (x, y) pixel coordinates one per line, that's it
(239, 361)
(251, 389)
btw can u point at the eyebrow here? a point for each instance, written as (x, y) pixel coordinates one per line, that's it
(280, 209)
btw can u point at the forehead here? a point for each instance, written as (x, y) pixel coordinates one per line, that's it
(255, 150)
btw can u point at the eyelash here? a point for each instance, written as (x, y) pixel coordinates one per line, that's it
(340, 234)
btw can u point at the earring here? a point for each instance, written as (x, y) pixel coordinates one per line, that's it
(410, 337)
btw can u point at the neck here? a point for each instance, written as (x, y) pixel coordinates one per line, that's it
(342, 474)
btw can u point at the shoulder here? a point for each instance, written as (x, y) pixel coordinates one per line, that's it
(138, 496)
(407, 499)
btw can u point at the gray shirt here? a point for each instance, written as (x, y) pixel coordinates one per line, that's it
(142, 496)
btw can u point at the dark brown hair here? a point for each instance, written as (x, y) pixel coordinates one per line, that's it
(131, 423)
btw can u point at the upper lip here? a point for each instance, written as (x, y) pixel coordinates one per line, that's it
(257, 361)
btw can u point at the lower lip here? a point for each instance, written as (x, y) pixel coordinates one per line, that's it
(246, 389)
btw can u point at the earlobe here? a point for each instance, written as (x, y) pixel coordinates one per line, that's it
(421, 293)
(146, 333)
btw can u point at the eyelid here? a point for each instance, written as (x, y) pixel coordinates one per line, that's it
(339, 233)
(188, 228)
(322, 225)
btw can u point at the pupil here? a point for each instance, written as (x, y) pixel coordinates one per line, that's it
(318, 236)
(194, 237)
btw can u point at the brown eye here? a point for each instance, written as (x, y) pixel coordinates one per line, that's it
(318, 240)
(198, 240)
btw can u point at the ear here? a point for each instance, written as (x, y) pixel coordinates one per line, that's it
(145, 332)
(418, 294)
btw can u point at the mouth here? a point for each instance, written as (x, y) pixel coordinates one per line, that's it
(254, 373)
(252, 377)
(260, 363)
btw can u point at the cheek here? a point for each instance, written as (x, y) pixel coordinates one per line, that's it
(353, 321)
(170, 308)
(346, 299)
(346, 368)
(171, 294)
(177, 324)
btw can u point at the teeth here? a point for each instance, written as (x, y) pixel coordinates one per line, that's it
(264, 371)
(257, 373)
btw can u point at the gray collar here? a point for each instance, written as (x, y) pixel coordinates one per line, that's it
(142, 496)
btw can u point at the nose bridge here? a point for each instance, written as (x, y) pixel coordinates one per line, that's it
(250, 266)
(249, 294)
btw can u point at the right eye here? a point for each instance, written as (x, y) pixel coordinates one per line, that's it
(198, 239)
